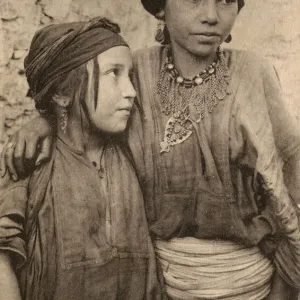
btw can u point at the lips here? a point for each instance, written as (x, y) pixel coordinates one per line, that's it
(208, 34)
(127, 108)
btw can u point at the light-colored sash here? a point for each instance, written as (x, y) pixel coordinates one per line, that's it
(213, 269)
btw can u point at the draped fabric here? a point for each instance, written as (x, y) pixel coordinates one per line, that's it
(226, 180)
(79, 234)
(214, 269)
(57, 49)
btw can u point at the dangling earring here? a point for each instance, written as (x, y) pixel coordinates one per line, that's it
(228, 39)
(160, 37)
(64, 120)
(62, 102)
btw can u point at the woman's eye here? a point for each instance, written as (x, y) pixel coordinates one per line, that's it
(227, 1)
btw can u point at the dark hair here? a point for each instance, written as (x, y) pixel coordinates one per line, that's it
(154, 6)
(66, 85)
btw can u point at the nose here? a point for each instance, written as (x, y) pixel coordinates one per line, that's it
(210, 12)
(128, 90)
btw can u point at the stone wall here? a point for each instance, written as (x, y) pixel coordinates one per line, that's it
(271, 28)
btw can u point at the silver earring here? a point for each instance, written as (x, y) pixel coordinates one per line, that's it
(64, 120)
(160, 36)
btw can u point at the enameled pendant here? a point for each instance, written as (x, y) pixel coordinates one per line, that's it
(177, 130)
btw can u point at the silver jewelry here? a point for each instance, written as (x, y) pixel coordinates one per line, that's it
(64, 120)
(178, 94)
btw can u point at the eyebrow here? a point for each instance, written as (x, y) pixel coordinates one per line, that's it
(114, 66)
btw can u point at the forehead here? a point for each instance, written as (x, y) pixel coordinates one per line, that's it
(119, 55)
(191, 3)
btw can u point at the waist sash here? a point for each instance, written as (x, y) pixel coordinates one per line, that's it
(213, 269)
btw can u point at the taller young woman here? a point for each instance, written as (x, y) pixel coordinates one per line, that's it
(211, 136)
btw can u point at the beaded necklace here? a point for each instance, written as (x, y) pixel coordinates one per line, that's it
(178, 94)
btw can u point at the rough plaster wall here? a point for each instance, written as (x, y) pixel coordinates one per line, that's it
(271, 28)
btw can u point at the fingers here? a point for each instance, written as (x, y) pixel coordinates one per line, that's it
(46, 149)
(31, 147)
(6, 152)
(2, 161)
(9, 161)
(19, 157)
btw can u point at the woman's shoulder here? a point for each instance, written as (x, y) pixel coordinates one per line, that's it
(249, 63)
(147, 54)
(152, 50)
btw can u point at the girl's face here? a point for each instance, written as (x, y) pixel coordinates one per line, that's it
(115, 93)
(200, 26)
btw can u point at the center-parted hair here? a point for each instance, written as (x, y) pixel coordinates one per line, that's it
(155, 6)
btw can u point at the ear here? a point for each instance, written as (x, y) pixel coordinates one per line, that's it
(160, 15)
(62, 101)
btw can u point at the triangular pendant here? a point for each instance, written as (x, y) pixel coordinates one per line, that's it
(176, 132)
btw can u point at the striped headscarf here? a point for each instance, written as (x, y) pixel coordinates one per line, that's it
(57, 49)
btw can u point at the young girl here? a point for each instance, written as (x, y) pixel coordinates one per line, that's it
(76, 228)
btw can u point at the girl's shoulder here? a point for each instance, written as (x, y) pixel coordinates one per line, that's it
(7, 184)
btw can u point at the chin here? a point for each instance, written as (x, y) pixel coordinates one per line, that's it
(112, 127)
(117, 129)
(205, 50)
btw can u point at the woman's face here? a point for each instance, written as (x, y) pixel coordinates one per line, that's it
(200, 26)
(115, 93)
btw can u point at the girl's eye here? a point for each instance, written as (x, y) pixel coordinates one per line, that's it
(113, 72)
(194, 1)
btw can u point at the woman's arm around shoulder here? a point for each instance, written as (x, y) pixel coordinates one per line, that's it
(29, 146)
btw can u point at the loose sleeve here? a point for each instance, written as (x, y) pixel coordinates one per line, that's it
(287, 140)
(254, 136)
(286, 132)
(13, 202)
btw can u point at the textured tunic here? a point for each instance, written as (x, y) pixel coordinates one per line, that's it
(78, 234)
(225, 181)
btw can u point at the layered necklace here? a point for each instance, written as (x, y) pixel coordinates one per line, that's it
(178, 94)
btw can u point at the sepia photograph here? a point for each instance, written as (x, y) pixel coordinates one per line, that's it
(149, 150)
